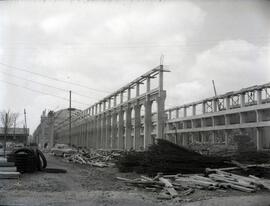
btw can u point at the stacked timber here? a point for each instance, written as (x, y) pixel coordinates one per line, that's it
(172, 186)
(97, 158)
(8, 170)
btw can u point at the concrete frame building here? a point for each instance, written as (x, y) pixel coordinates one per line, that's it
(127, 119)
(218, 119)
(117, 121)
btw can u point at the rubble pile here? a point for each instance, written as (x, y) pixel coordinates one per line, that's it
(169, 158)
(96, 158)
(179, 185)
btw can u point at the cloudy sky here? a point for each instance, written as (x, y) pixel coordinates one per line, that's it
(104, 45)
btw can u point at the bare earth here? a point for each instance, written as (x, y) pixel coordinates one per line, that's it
(83, 185)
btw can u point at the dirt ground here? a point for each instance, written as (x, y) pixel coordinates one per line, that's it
(84, 185)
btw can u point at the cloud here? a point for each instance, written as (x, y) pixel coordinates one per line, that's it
(233, 64)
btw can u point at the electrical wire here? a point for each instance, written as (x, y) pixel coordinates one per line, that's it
(52, 78)
(47, 85)
(41, 92)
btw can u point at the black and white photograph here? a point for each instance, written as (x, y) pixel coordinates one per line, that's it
(134, 103)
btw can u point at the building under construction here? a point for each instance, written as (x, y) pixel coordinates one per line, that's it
(134, 116)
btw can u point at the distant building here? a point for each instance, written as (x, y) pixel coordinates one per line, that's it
(44, 134)
(16, 135)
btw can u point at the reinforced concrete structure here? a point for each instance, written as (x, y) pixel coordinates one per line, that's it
(134, 116)
(217, 120)
(124, 119)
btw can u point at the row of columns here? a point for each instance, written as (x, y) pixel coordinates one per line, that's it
(214, 105)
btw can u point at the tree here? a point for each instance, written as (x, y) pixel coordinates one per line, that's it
(7, 120)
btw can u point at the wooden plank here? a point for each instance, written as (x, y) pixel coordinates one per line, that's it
(8, 169)
(9, 175)
(264, 182)
(169, 187)
(7, 164)
(243, 167)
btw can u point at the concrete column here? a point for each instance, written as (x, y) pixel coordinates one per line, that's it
(128, 139)
(98, 131)
(213, 121)
(137, 89)
(148, 84)
(259, 96)
(177, 113)
(185, 111)
(259, 139)
(121, 97)
(114, 101)
(202, 122)
(108, 131)
(227, 102)
(258, 115)
(147, 123)
(242, 99)
(226, 118)
(242, 118)
(114, 131)
(170, 114)
(203, 107)
(121, 142)
(137, 132)
(103, 131)
(129, 94)
(214, 105)
(161, 79)
(193, 109)
(160, 114)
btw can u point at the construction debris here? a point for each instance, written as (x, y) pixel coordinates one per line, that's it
(97, 158)
(172, 186)
(169, 158)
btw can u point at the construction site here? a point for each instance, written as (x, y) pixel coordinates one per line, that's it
(134, 103)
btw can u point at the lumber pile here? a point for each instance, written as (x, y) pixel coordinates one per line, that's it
(8, 170)
(96, 158)
(179, 185)
(163, 187)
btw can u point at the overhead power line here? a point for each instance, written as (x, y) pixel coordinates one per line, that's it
(43, 84)
(52, 78)
(41, 92)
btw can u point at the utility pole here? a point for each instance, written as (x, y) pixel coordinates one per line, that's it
(25, 125)
(5, 134)
(14, 128)
(69, 139)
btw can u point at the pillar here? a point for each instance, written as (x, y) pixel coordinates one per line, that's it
(108, 131)
(227, 102)
(203, 107)
(194, 109)
(258, 139)
(259, 96)
(147, 123)
(137, 132)
(103, 131)
(214, 105)
(242, 99)
(121, 129)
(128, 139)
(185, 111)
(160, 114)
(114, 131)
